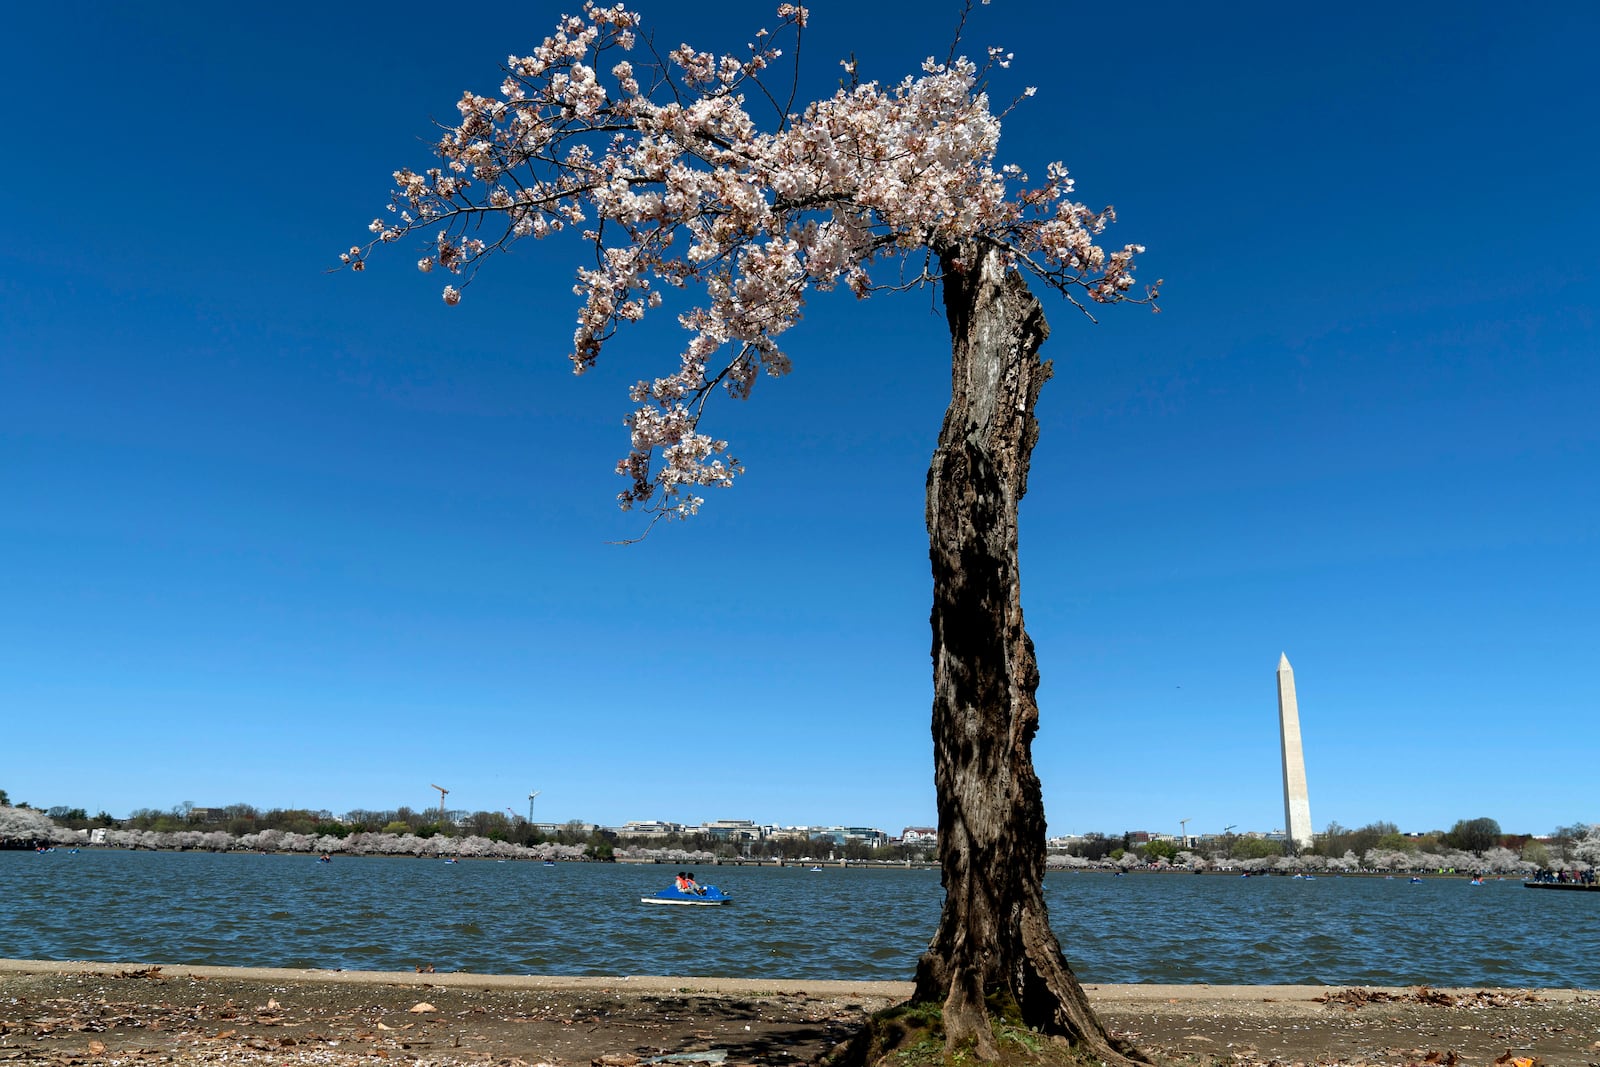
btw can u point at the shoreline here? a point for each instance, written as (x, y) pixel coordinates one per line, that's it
(464, 979)
(1227, 868)
(889, 992)
(893, 991)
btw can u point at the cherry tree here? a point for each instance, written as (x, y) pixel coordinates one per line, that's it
(690, 182)
(25, 825)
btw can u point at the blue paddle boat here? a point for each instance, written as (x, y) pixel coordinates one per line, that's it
(708, 896)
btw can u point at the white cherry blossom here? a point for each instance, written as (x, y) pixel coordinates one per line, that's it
(663, 168)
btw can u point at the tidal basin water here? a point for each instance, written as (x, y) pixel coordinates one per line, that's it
(372, 913)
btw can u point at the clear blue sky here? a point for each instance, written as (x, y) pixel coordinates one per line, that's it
(291, 538)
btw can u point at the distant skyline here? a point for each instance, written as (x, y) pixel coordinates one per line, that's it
(297, 539)
(693, 825)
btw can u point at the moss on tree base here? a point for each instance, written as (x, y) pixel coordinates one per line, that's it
(913, 1035)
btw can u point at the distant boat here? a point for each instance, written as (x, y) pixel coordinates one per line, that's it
(549, 863)
(814, 870)
(452, 860)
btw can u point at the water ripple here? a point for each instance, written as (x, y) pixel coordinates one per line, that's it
(376, 913)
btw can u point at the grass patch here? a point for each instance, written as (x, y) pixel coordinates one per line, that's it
(912, 1035)
(906, 1035)
(1025, 1041)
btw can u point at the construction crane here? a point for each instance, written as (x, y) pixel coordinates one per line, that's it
(531, 795)
(442, 791)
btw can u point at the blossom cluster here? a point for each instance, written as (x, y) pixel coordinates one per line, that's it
(361, 844)
(1493, 861)
(667, 174)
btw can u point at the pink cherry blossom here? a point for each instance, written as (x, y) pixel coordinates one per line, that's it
(658, 164)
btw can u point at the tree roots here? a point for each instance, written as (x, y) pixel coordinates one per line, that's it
(915, 1035)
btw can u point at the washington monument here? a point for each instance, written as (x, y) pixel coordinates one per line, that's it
(1296, 802)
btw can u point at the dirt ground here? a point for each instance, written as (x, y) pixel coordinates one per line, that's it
(106, 1014)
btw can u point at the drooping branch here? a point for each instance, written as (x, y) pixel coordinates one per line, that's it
(673, 183)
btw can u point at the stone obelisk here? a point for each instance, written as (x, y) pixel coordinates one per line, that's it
(1296, 802)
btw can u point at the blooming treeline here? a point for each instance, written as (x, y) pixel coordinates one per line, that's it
(24, 826)
(638, 854)
(28, 827)
(359, 844)
(673, 182)
(21, 826)
(1585, 855)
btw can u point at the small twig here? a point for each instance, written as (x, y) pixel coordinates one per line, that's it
(635, 540)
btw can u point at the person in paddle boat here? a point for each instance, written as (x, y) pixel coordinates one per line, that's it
(692, 886)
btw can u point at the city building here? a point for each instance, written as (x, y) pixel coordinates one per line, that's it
(733, 830)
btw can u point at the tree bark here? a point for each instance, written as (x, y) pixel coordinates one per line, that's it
(994, 944)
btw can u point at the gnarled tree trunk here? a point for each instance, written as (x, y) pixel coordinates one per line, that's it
(994, 937)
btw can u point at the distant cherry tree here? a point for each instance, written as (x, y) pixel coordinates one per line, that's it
(24, 825)
(687, 170)
(1586, 849)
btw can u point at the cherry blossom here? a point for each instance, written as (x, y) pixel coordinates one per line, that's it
(657, 162)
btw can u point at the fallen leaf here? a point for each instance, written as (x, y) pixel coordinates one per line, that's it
(421, 1008)
(96, 1048)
